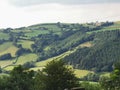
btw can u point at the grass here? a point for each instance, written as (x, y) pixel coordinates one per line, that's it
(26, 58)
(9, 68)
(50, 26)
(4, 36)
(5, 46)
(43, 63)
(53, 27)
(86, 44)
(21, 60)
(81, 73)
(8, 47)
(26, 43)
(6, 63)
(106, 74)
(24, 31)
(34, 33)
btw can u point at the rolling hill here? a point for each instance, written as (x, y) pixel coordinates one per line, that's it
(89, 46)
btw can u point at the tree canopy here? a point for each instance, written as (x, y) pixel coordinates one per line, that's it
(57, 76)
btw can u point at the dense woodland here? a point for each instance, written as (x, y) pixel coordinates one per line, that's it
(101, 56)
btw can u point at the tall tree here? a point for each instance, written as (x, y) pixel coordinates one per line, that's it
(56, 76)
(21, 79)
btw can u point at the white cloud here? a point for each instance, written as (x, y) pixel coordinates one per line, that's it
(24, 3)
(11, 16)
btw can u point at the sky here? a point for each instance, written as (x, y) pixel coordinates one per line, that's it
(19, 13)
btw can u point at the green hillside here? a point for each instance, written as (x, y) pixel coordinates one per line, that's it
(8, 47)
(26, 43)
(101, 56)
(90, 46)
(4, 36)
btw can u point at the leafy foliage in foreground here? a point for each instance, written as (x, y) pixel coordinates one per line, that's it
(55, 76)
(112, 82)
(91, 85)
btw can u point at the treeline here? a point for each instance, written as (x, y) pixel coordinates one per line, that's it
(101, 56)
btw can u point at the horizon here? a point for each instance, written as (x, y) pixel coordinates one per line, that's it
(22, 13)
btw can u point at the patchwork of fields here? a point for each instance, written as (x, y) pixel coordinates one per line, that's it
(25, 38)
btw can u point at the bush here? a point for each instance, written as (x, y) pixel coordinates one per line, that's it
(5, 56)
(22, 51)
(29, 65)
(91, 86)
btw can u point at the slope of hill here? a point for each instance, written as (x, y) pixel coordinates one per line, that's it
(91, 46)
(102, 56)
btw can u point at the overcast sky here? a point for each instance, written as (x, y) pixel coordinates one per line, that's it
(18, 13)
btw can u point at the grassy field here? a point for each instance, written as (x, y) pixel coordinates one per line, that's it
(86, 44)
(9, 68)
(26, 58)
(34, 33)
(106, 74)
(51, 27)
(5, 46)
(81, 73)
(20, 61)
(24, 31)
(6, 63)
(8, 47)
(4, 36)
(26, 43)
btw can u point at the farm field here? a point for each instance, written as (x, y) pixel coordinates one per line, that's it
(6, 63)
(35, 33)
(4, 36)
(26, 43)
(8, 47)
(26, 58)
